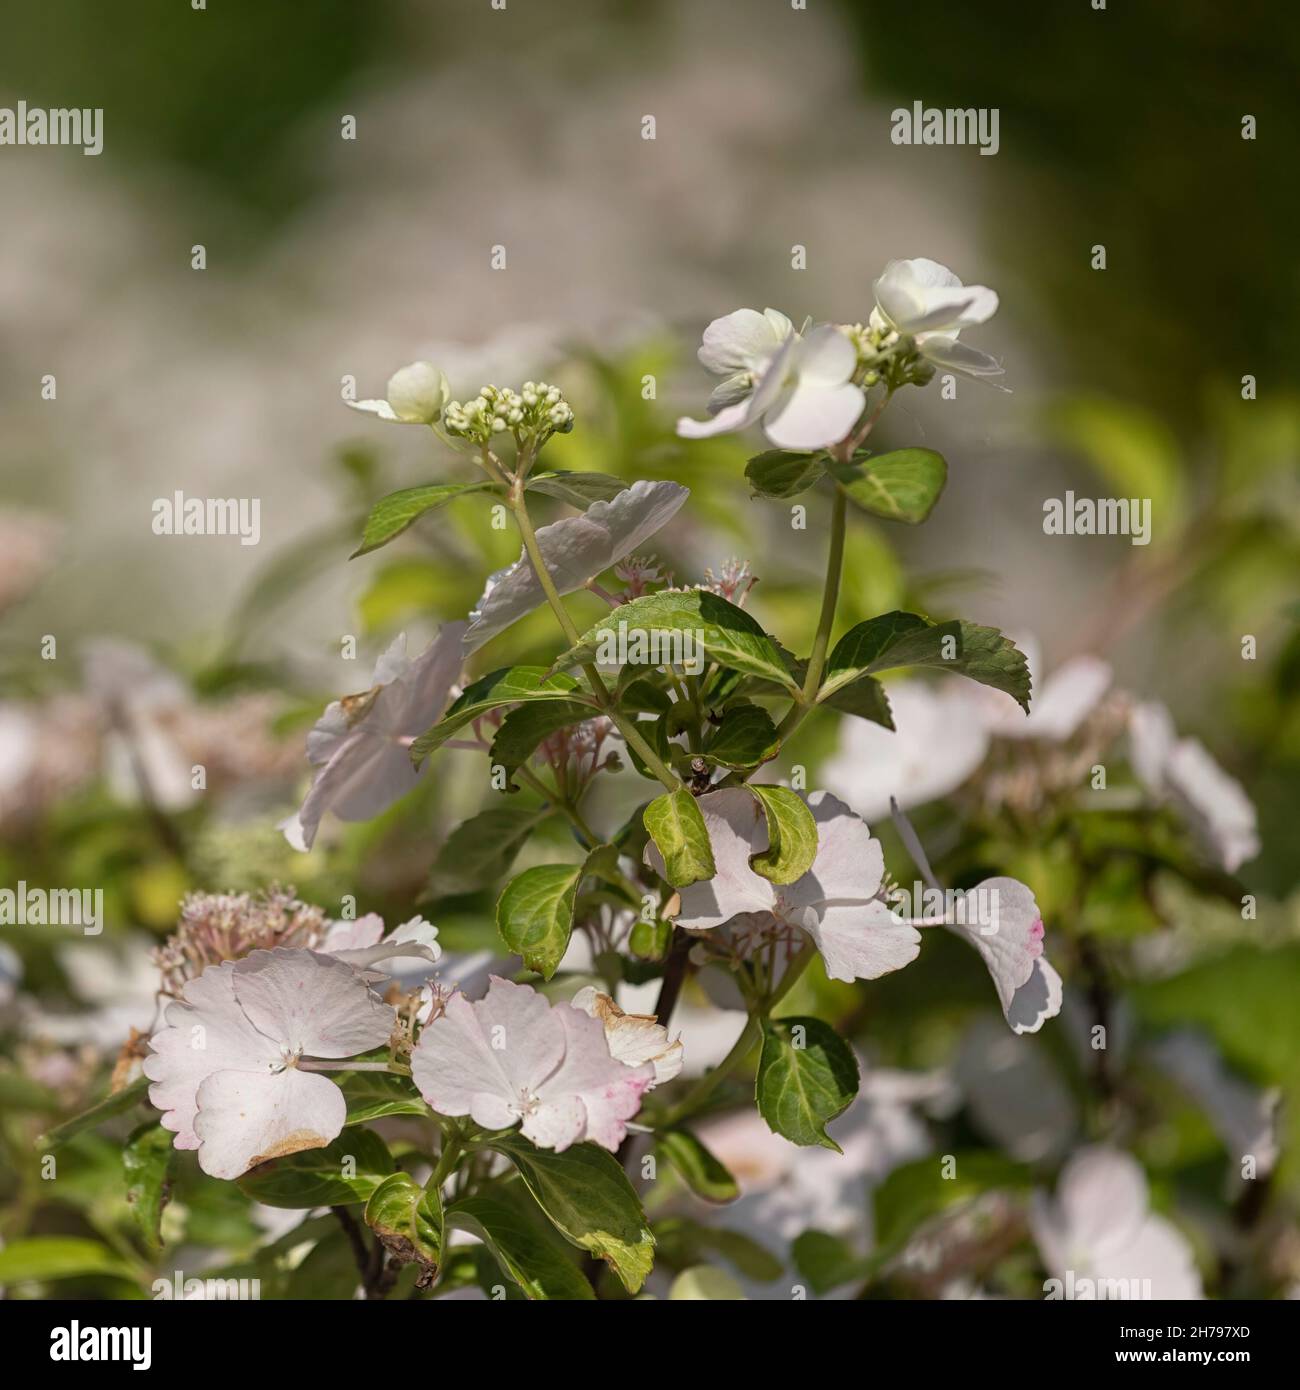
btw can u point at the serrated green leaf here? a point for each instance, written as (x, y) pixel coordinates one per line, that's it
(391, 515)
(667, 621)
(705, 1174)
(866, 698)
(675, 824)
(807, 1075)
(147, 1162)
(508, 686)
(777, 474)
(577, 489)
(745, 738)
(522, 1249)
(408, 1220)
(587, 1197)
(791, 835)
(902, 485)
(340, 1174)
(894, 640)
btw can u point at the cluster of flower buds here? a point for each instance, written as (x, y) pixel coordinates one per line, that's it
(885, 355)
(531, 415)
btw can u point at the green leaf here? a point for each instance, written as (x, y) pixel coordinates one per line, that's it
(866, 698)
(745, 738)
(667, 621)
(905, 639)
(524, 728)
(807, 1075)
(699, 1169)
(777, 474)
(535, 914)
(480, 851)
(58, 1257)
(577, 489)
(147, 1162)
(791, 835)
(391, 515)
(992, 659)
(902, 485)
(683, 1243)
(827, 1261)
(341, 1174)
(917, 1191)
(407, 1218)
(508, 686)
(677, 828)
(521, 1248)
(118, 1103)
(372, 1094)
(587, 1197)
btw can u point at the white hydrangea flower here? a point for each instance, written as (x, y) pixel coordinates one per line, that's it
(1181, 771)
(835, 902)
(361, 943)
(575, 550)
(937, 742)
(1062, 699)
(513, 1058)
(799, 386)
(227, 1068)
(633, 1038)
(361, 743)
(1099, 1227)
(925, 301)
(1243, 1116)
(416, 395)
(1010, 943)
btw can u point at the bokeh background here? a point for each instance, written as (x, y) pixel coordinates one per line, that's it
(329, 258)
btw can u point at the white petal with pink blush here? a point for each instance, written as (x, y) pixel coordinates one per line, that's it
(361, 744)
(836, 902)
(514, 1058)
(225, 1067)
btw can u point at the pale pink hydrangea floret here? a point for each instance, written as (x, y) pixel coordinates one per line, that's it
(361, 744)
(575, 550)
(836, 902)
(226, 1066)
(513, 1058)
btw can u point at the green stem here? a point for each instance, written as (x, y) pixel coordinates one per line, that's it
(830, 598)
(744, 1045)
(452, 1148)
(627, 727)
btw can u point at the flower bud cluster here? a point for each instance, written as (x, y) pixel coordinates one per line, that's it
(531, 415)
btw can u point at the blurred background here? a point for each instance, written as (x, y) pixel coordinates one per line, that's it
(330, 258)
